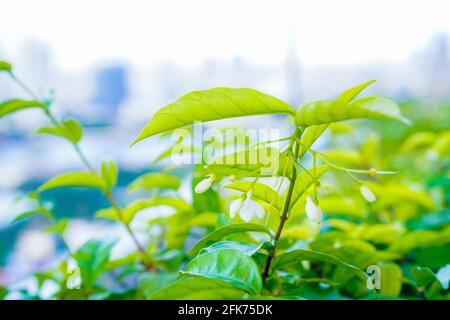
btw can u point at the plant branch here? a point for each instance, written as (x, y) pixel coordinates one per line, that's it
(285, 213)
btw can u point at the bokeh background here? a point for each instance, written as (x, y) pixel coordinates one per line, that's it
(112, 64)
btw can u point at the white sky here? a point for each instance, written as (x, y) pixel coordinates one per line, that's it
(80, 32)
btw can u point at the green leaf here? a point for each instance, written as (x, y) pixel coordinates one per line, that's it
(206, 201)
(391, 279)
(69, 129)
(92, 258)
(328, 111)
(246, 248)
(109, 173)
(75, 179)
(213, 104)
(150, 283)
(14, 105)
(304, 181)
(296, 256)
(199, 288)
(133, 208)
(3, 292)
(309, 136)
(57, 228)
(228, 265)
(155, 180)
(350, 94)
(260, 191)
(31, 213)
(219, 234)
(5, 66)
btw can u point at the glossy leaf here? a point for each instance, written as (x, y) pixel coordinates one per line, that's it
(219, 234)
(155, 180)
(199, 288)
(296, 256)
(70, 129)
(213, 104)
(227, 265)
(10, 106)
(75, 179)
(259, 191)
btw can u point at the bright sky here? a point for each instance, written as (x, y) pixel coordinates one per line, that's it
(80, 32)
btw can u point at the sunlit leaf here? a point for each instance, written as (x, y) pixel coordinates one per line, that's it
(70, 129)
(57, 228)
(213, 104)
(259, 191)
(32, 213)
(109, 173)
(155, 180)
(309, 136)
(75, 179)
(349, 94)
(219, 234)
(391, 279)
(228, 265)
(11, 106)
(304, 181)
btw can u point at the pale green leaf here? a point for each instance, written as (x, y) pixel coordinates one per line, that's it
(350, 94)
(219, 234)
(213, 104)
(155, 180)
(304, 181)
(227, 265)
(57, 228)
(75, 179)
(309, 136)
(109, 173)
(328, 111)
(69, 129)
(299, 255)
(260, 191)
(14, 105)
(391, 279)
(31, 213)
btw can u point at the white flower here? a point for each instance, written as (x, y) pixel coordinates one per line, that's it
(313, 212)
(205, 184)
(367, 194)
(246, 208)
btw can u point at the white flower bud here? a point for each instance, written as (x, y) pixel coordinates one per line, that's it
(367, 194)
(251, 209)
(313, 212)
(204, 185)
(236, 206)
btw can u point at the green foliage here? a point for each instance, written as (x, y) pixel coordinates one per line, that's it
(213, 104)
(231, 266)
(370, 201)
(11, 106)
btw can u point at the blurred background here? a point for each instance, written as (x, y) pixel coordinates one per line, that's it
(112, 64)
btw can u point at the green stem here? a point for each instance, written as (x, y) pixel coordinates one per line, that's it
(285, 213)
(84, 160)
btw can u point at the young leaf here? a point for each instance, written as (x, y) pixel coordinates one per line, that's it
(109, 173)
(14, 105)
(199, 288)
(5, 66)
(155, 180)
(57, 228)
(260, 191)
(31, 213)
(75, 179)
(328, 111)
(309, 136)
(228, 265)
(295, 256)
(70, 129)
(213, 104)
(349, 94)
(225, 231)
(304, 181)
(92, 258)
